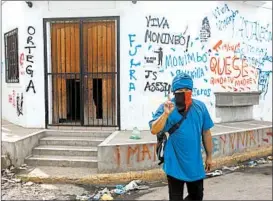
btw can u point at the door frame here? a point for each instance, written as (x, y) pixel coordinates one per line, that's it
(45, 39)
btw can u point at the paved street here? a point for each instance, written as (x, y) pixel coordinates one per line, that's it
(249, 184)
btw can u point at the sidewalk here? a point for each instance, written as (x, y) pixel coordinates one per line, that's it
(12, 132)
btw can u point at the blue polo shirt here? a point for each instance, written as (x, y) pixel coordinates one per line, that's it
(182, 156)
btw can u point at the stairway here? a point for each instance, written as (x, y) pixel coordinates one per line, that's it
(67, 149)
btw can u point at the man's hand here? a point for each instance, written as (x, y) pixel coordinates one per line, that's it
(168, 106)
(208, 164)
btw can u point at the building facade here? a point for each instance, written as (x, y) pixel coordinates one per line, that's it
(110, 63)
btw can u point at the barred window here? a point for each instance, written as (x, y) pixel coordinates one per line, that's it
(11, 56)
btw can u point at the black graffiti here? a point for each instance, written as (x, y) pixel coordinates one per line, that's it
(31, 85)
(29, 57)
(160, 56)
(149, 72)
(157, 86)
(157, 22)
(29, 70)
(150, 60)
(19, 101)
(29, 30)
(205, 30)
(164, 38)
(29, 48)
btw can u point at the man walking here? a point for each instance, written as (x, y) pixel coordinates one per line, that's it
(183, 161)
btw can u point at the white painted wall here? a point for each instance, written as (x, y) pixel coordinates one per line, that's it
(179, 16)
(11, 21)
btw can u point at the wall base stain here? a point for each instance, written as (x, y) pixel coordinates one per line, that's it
(149, 175)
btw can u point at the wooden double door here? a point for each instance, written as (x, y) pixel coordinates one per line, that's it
(83, 73)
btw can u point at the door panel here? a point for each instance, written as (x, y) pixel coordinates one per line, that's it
(99, 63)
(95, 70)
(65, 56)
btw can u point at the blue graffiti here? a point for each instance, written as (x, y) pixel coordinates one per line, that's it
(255, 56)
(253, 30)
(229, 18)
(263, 82)
(201, 92)
(220, 11)
(132, 72)
(172, 60)
(267, 58)
(215, 147)
(223, 24)
(196, 73)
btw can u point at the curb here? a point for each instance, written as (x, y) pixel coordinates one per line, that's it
(148, 176)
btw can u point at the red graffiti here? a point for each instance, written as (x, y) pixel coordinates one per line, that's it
(21, 62)
(140, 153)
(13, 98)
(229, 65)
(10, 98)
(118, 155)
(22, 58)
(217, 45)
(230, 47)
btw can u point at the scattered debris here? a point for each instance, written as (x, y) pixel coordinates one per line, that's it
(252, 164)
(28, 183)
(214, 173)
(16, 180)
(269, 158)
(106, 197)
(261, 161)
(230, 168)
(101, 193)
(82, 197)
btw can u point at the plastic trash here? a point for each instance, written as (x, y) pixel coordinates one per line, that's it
(230, 168)
(82, 197)
(261, 161)
(142, 187)
(119, 191)
(106, 197)
(99, 195)
(269, 158)
(135, 185)
(252, 163)
(215, 173)
(131, 186)
(119, 187)
(135, 134)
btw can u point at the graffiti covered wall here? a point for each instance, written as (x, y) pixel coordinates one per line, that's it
(223, 48)
(115, 158)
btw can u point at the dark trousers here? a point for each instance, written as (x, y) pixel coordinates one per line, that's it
(176, 189)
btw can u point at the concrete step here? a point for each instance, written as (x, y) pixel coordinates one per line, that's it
(62, 161)
(80, 133)
(71, 141)
(57, 150)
